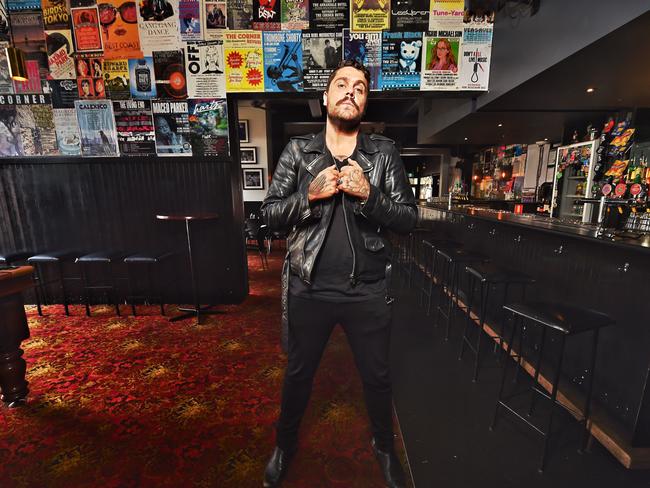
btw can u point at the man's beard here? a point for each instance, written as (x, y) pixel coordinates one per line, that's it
(345, 124)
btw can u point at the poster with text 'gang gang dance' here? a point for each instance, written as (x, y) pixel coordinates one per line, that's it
(134, 124)
(172, 128)
(244, 61)
(209, 126)
(158, 24)
(97, 126)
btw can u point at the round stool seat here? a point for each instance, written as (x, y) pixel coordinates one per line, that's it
(52, 256)
(12, 257)
(491, 273)
(100, 257)
(454, 255)
(568, 319)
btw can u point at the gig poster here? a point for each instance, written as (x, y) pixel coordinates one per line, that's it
(21, 5)
(90, 76)
(329, 15)
(283, 61)
(68, 137)
(141, 78)
(321, 54)
(446, 14)
(369, 15)
(169, 71)
(365, 48)
(5, 28)
(59, 54)
(116, 79)
(172, 128)
(475, 54)
(119, 25)
(29, 37)
(33, 83)
(87, 35)
(56, 15)
(239, 14)
(441, 61)
(134, 125)
(409, 15)
(295, 14)
(189, 20)
(208, 120)
(97, 127)
(244, 61)
(36, 122)
(158, 24)
(6, 83)
(205, 69)
(214, 19)
(401, 60)
(64, 93)
(266, 15)
(10, 142)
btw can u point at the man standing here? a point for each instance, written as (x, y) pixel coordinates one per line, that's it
(339, 191)
(330, 55)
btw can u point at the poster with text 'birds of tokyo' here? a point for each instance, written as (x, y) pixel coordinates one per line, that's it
(475, 53)
(441, 68)
(244, 61)
(365, 48)
(283, 61)
(97, 126)
(205, 69)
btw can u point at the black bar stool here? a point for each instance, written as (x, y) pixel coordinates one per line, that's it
(563, 321)
(149, 261)
(429, 284)
(451, 261)
(413, 244)
(105, 259)
(483, 278)
(11, 258)
(56, 259)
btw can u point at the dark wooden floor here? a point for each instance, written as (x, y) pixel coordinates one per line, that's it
(444, 418)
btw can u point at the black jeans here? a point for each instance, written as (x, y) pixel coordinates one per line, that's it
(367, 327)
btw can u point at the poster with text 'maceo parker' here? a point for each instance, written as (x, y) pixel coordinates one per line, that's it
(97, 127)
(244, 61)
(172, 128)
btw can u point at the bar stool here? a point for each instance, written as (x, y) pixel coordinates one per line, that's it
(105, 259)
(51, 258)
(10, 258)
(484, 277)
(429, 247)
(412, 251)
(149, 261)
(563, 321)
(451, 261)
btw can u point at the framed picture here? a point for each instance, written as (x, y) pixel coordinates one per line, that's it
(243, 131)
(248, 155)
(253, 179)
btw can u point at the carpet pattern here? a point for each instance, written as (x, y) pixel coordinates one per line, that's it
(142, 402)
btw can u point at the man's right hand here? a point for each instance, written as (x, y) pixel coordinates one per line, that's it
(325, 184)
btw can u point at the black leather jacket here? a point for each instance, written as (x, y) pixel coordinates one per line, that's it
(390, 204)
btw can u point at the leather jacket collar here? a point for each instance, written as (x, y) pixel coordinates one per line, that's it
(366, 147)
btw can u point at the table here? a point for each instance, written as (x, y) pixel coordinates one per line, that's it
(13, 330)
(197, 311)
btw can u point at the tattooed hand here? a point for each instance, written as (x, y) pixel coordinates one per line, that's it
(353, 181)
(324, 185)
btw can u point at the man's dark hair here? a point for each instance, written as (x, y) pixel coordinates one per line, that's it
(352, 64)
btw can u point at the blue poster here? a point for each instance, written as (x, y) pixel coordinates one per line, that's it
(283, 61)
(141, 78)
(401, 60)
(16, 5)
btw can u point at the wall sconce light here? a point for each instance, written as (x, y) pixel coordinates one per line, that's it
(16, 62)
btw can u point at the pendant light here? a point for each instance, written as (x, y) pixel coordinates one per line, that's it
(16, 62)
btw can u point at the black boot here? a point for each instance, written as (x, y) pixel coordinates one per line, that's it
(390, 466)
(277, 467)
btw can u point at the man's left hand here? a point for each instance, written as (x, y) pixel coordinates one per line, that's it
(353, 182)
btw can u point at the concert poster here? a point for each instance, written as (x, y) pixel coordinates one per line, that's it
(33, 83)
(116, 79)
(90, 76)
(5, 28)
(68, 137)
(56, 15)
(36, 122)
(441, 61)
(59, 54)
(266, 15)
(158, 24)
(283, 61)
(475, 54)
(369, 15)
(401, 60)
(141, 78)
(208, 120)
(29, 37)
(10, 142)
(172, 128)
(321, 54)
(446, 14)
(97, 127)
(364, 47)
(205, 69)
(189, 20)
(22, 5)
(134, 125)
(243, 53)
(295, 14)
(6, 83)
(119, 26)
(214, 19)
(329, 15)
(409, 15)
(87, 34)
(239, 14)
(64, 93)
(169, 71)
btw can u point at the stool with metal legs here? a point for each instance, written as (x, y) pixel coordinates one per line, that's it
(105, 259)
(429, 283)
(484, 278)
(54, 259)
(564, 321)
(149, 261)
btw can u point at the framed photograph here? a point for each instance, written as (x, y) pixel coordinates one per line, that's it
(248, 155)
(243, 131)
(253, 179)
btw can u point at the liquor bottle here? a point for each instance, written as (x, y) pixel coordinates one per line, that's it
(142, 76)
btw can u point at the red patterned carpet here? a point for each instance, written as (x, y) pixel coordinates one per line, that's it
(138, 401)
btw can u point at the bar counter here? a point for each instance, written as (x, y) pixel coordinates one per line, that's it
(572, 263)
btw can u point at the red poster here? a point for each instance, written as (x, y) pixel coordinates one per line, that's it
(87, 36)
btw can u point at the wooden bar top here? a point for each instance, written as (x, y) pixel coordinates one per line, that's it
(15, 280)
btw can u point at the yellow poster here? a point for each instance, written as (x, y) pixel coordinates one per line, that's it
(446, 14)
(244, 61)
(369, 15)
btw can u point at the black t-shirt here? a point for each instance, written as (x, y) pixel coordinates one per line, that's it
(330, 278)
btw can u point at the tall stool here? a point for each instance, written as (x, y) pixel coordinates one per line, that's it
(11, 258)
(563, 321)
(55, 259)
(451, 261)
(483, 278)
(412, 251)
(429, 284)
(149, 261)
(106, 259)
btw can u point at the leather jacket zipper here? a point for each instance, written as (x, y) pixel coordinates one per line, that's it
(353, 279)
